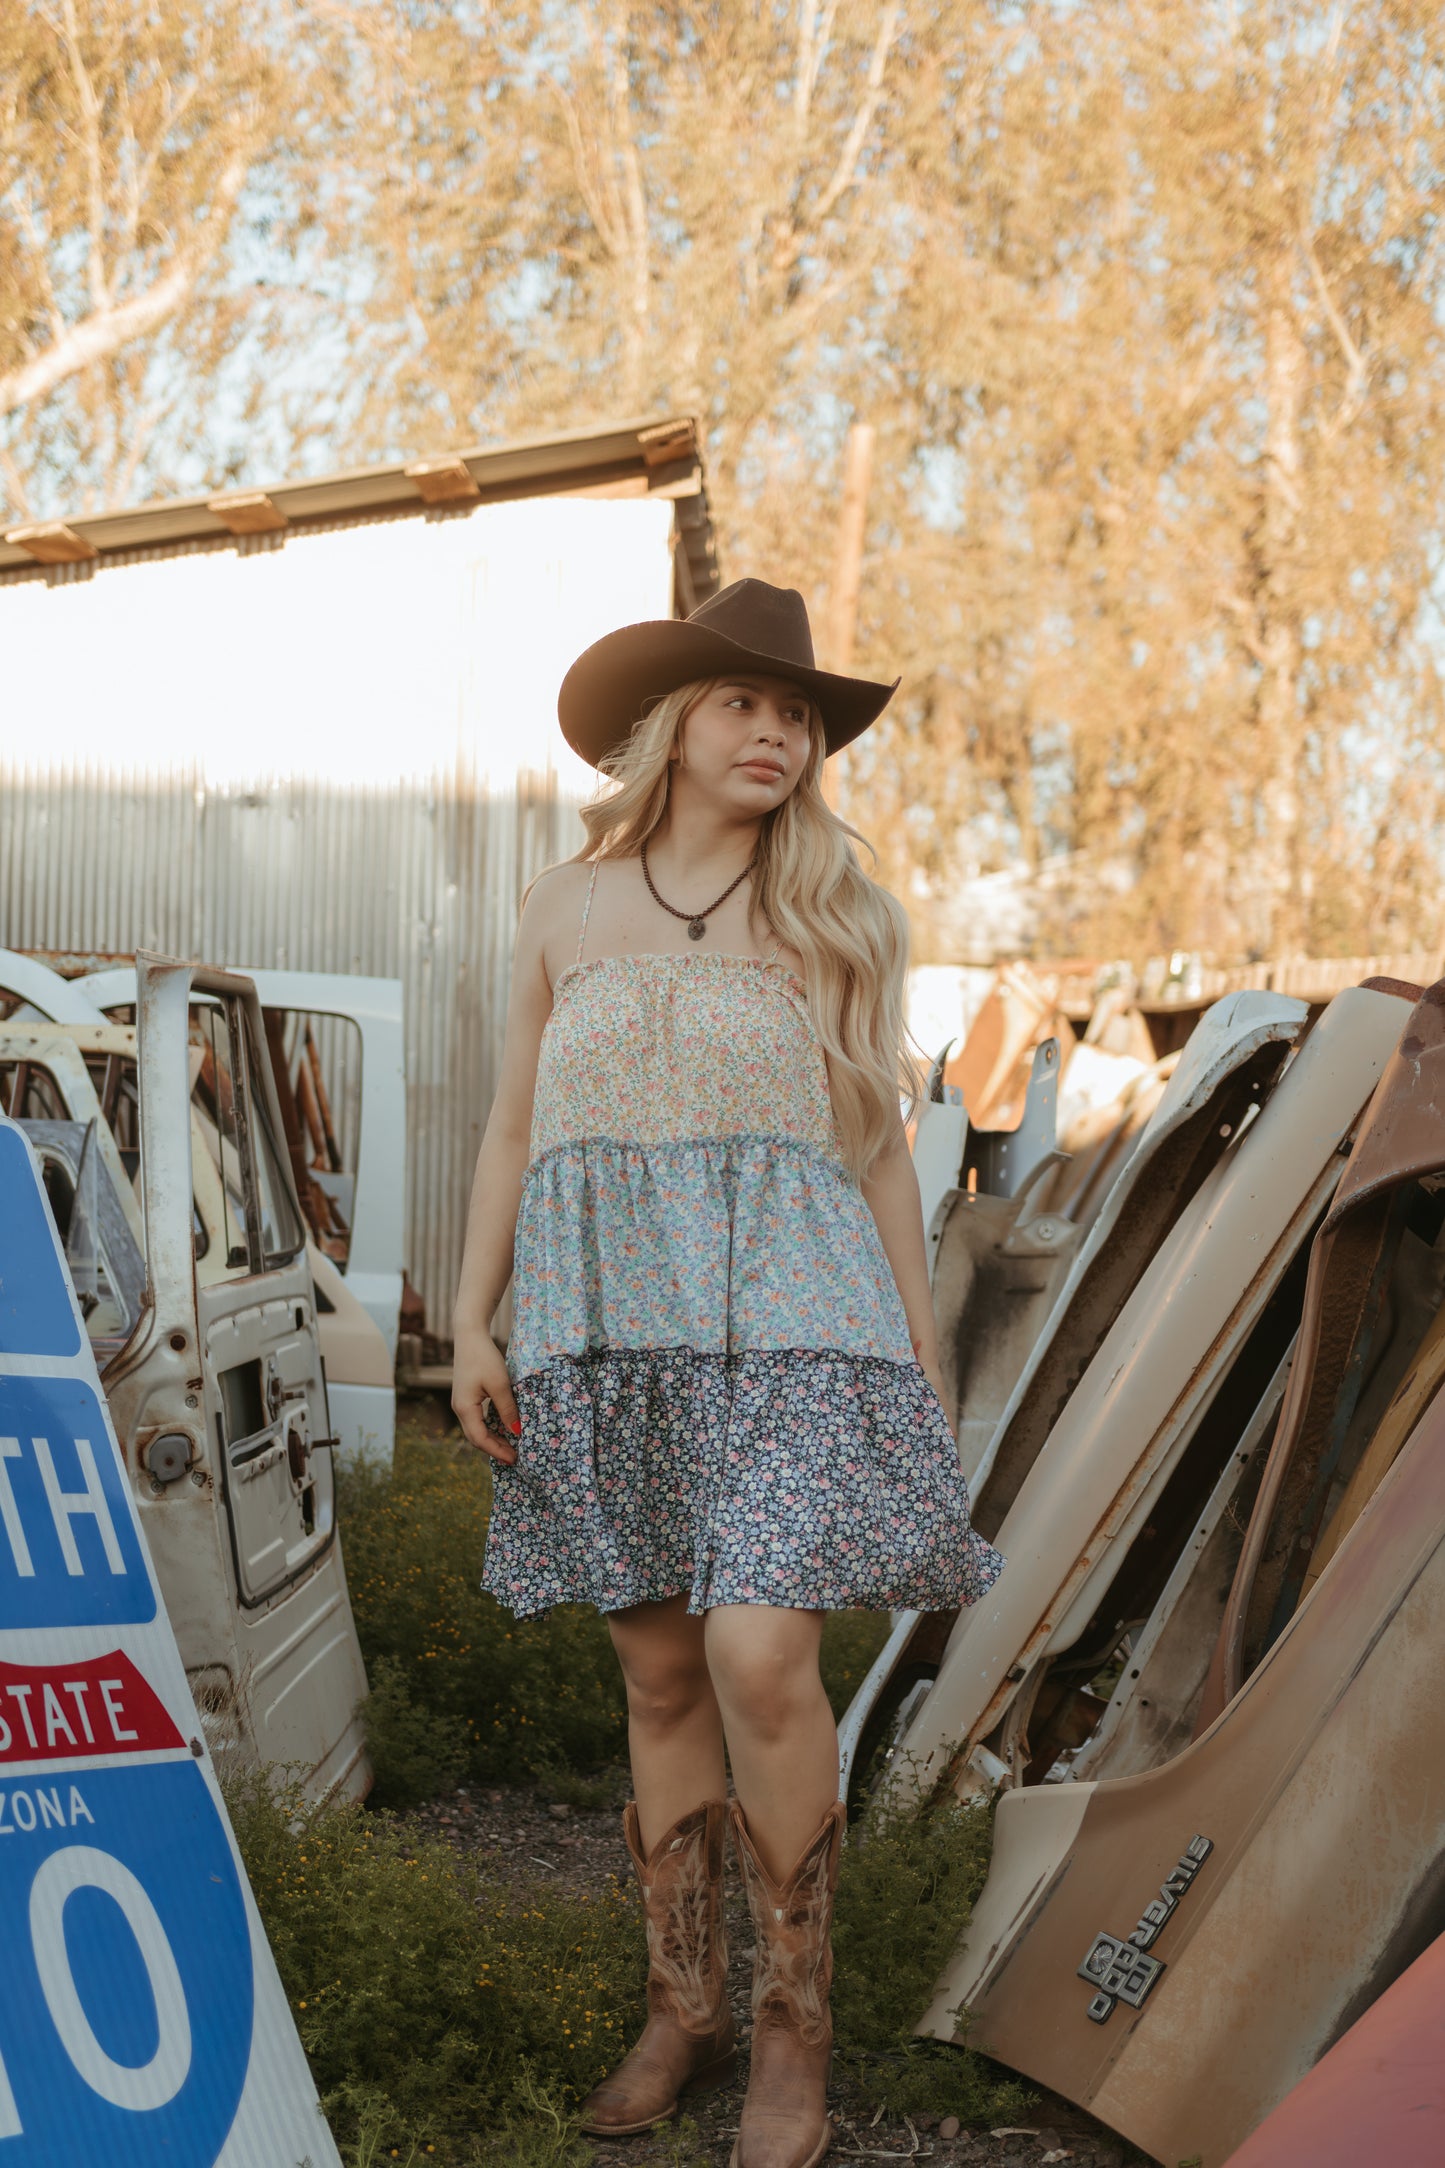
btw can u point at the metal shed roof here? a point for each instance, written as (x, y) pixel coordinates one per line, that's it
(650, 457)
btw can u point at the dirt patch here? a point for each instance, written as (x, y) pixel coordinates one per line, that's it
(524, 1838)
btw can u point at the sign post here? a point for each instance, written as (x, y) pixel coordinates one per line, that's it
(142, 2019)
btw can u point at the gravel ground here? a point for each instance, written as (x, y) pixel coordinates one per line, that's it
(517, 1834)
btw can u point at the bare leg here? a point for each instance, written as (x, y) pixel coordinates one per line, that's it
(781, 1737)
(674, 1728)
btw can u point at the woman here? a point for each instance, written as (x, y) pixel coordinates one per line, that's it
(722, 1375)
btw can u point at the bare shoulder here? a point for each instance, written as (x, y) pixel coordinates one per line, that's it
(558, 887)
(552, 916)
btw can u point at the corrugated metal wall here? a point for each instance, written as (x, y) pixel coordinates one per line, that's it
(419, 881)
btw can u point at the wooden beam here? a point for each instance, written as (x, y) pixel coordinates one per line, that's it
(444, 481)
(666, 442)
(51, 542)
(631, 485)
(247, 511)
(680, 480)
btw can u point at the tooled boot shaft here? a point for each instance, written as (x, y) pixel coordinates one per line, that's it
(785, 2122)
(681, 1884)
(688, 2042)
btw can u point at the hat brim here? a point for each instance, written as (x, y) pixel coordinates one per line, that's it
(611, 682)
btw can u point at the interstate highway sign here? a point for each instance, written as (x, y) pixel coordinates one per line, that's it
(142, 2020)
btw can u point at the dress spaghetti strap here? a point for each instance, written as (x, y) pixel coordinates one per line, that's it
(586, 912)
(772, 955)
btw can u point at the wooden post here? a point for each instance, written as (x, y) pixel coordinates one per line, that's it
(848, 567)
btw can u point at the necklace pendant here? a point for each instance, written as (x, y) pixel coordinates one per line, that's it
(696, 928)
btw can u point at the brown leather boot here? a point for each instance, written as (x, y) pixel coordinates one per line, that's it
(688, 2044)
(785, 2120)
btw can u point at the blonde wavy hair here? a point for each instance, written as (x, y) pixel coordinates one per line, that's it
(809, 886)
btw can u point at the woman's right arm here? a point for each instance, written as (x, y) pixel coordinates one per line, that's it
(479, 1370)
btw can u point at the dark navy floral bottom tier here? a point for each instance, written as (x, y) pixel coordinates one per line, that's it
(807, 1478)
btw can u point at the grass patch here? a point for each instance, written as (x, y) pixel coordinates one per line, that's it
(416, 1752)
(851, 1640)
(452, 2019)
(906, 1889)
(462, 1689)
(438, 2008)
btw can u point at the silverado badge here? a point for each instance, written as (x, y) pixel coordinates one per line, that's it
(1118, 1967)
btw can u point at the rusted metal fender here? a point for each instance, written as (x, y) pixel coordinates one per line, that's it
(1095, 1480)
(1379, 2094)
(33, 984)
(1229, 1063)
(1232, 1059)
(1175, 1950)
(1401, 1138)
(998, 1262)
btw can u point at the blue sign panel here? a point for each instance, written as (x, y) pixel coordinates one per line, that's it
(36, 1314)
(69, 1555)
(131, 1989)
(127, 1993)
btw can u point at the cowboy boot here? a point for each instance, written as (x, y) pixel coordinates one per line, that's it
(688, 2043)
(785, 2121)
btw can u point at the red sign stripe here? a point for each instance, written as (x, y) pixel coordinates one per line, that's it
(55, 1712)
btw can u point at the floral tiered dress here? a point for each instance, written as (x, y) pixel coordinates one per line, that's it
(710, 1355)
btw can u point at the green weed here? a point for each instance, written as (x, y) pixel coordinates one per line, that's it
(906, 1887)
(851, 1640)
(608, 1788)
(681, 2142)
(436, 2008)
(506, 1699)
(540, 2132)
(416, 1752)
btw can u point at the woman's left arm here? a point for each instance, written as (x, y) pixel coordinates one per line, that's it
(891, 1189)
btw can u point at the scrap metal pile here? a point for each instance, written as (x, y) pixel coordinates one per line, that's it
(1201, 1419)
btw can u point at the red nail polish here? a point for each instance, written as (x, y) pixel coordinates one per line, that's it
(516, 1428)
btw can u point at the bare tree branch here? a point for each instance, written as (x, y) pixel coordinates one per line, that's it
(619, 98)
(40, 261)
(806, 73)
(585, 165)
(847, 164)
(1358, 372)
(814, 34)
(17, 494)
(100, 294)
(105, 330)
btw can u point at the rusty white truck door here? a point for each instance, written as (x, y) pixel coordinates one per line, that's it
(375, 1194)
(366, 1179)
(224, 1397)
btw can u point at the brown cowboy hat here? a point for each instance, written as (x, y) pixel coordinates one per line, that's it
(748, 626)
